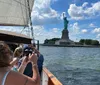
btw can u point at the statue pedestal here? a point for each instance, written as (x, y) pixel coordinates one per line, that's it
(64, 39)
(65, 34)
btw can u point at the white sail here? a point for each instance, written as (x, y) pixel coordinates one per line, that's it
(15, 12)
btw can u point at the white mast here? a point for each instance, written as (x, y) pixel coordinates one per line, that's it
(30, 21)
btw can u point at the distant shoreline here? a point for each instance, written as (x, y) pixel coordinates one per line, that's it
(71, 45)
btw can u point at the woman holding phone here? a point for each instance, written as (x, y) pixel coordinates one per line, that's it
(9, 77)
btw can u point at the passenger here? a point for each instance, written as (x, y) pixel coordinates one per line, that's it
(17, 54)
(9, 77)
(28, 70)
(40, 59)
(40, 63)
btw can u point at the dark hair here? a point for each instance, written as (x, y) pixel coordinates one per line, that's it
(27, 51)
(5, 54)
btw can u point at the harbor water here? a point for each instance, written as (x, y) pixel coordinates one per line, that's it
(73, 65)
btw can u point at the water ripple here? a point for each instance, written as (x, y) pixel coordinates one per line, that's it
(73, 66)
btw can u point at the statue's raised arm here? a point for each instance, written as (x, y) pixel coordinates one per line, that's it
(65, 21)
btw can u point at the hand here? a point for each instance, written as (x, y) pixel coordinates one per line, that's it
(33, 58)
(25, 61)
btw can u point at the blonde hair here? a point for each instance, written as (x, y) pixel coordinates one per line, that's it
(18, 51)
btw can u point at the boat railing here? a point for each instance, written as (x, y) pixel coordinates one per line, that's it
(48, 78)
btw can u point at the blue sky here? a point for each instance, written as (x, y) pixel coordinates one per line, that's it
(83, 16)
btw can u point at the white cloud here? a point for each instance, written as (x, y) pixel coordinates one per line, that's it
(74, 31)
(96, 6)
(70, 25)
(75, 12)
(22, 30)
(98, 36)
(84, 30)
(96, 30)
(43, 14)
(55, 30)
(84, 12)
(10, 28)
(91, 25)
(84, 4)
(76, 28)
(41, 34)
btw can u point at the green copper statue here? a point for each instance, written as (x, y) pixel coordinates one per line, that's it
(65, 21)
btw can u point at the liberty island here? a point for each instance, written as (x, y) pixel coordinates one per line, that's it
(65, 41)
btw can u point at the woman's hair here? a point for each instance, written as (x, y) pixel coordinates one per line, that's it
(18, 51)
(5, 54)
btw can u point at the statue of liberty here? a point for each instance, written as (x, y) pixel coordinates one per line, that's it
(65, 21)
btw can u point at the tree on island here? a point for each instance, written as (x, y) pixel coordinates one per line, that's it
(82, 41)
(51, 41)
(88, 42)
(95, 42)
